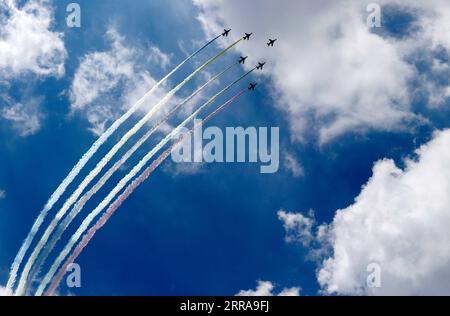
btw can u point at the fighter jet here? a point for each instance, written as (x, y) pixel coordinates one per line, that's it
(247, 36)
(252, 86)
(260, 66)
(242, 60)
(271, 42)
(225, 32)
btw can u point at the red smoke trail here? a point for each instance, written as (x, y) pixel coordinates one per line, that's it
(82, 163)
(128, 191)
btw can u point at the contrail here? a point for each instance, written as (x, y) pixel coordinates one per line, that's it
(73, 198)
(81, 163)
(128, 191)
(87, 196)
(122, 184)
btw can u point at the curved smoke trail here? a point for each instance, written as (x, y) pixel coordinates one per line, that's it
(128, 191)
(85, 224)
(73, 198)
(87, 196)
(81, 163)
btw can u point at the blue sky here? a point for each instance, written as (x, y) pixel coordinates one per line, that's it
(216, 231)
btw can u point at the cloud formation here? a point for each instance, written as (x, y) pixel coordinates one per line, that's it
(27, 43)
(108, 82)
(4, 291)
(298, 227)
(24, 116)
(399, 222)
(29, 50)
(265, 288)
(293, 166)
(329, 72)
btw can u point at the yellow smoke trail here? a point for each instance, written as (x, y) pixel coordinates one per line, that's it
(80, 164)
(88, 195)
(85, 224)
(128, 191)
(72, 199)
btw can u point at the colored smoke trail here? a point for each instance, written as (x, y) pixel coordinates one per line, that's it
(81, 163)
(24, 280)
(87, 196)
(73, 173)
(85, 224)
(128, 191)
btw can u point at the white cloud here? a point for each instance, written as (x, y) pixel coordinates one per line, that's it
(435, 22)
(157, 56)
(303, 229)
(27, 44)
(265, 288)
(400, 221)
(107, 83)
(293, 166)
(29, 49)
(2, 194)
(330, 73)
(292, 291)
(185, 168)
(100, 72)
(298, 227)
(25, 116)
(4, 291)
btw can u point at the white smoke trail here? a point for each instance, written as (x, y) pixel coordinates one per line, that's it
(87, 196)
(126, 193)
(81, 163)
(123, 182)
(73, 198)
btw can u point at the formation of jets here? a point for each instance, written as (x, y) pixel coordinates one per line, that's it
(247, 37)
(242, 59)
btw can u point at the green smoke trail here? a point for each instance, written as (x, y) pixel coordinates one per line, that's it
(23, 282)
(85, 224)
(88, 195)
(128, 191)
(80, 164)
